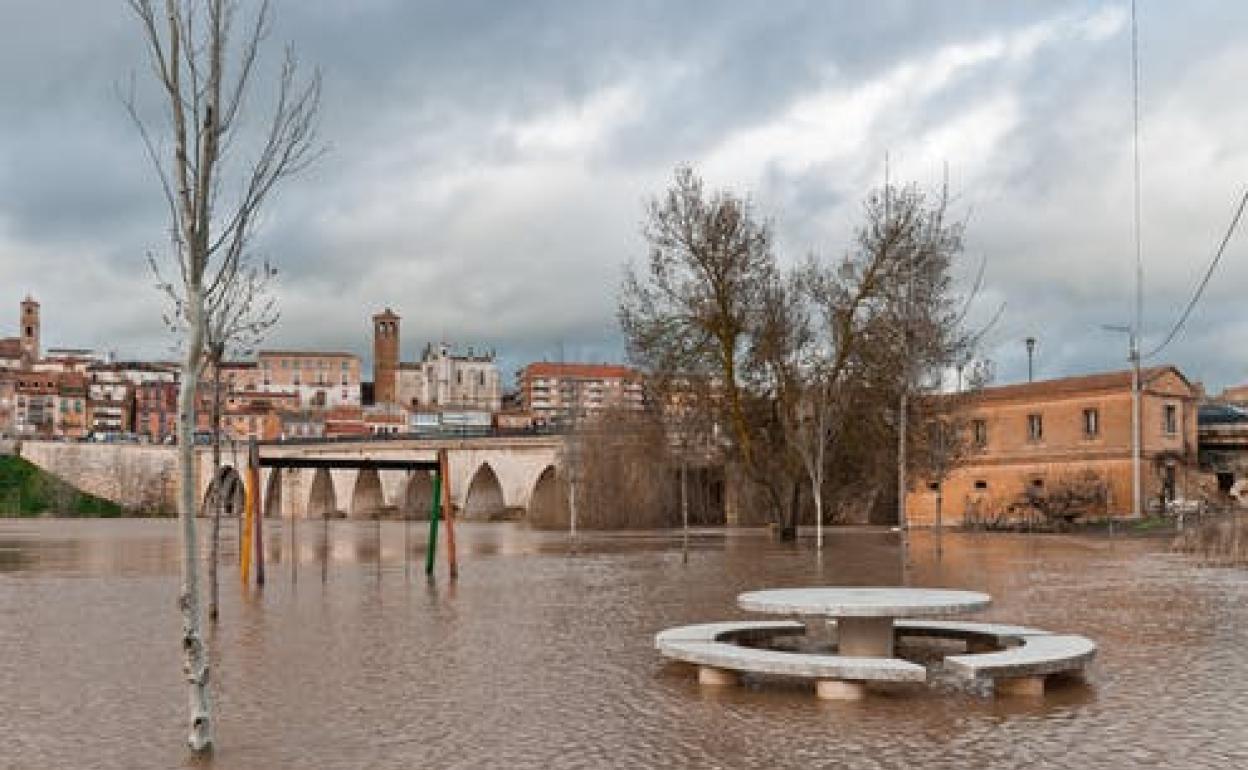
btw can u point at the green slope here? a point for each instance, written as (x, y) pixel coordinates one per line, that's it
(26, 490)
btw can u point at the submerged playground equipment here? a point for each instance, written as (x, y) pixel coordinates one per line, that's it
(846, 641)
(251, 547)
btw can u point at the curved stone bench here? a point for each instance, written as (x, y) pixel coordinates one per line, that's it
(1031, 655)
(715, 648)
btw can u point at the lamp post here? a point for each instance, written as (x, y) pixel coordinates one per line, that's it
(1031, 348)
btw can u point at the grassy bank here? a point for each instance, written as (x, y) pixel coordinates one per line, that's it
(26, 490)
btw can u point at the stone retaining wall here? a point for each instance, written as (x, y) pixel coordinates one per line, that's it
(140, 478)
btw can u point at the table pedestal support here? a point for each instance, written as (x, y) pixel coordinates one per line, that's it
(1020, 685)
(838, 689)
(864, 637)
(717, 677)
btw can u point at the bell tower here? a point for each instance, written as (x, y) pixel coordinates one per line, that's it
(385, 356)
(30, 329)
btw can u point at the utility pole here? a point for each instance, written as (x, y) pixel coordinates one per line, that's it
(1136, 476)
(1137, 330)
(1133, 355)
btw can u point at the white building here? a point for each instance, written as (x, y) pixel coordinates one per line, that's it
(443, 380)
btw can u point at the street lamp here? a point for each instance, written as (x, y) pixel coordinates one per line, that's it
(1031, 348)
(1133, 355)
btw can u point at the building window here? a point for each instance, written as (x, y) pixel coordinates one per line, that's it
(1035, 427)
(1037, 483)
(1091, 423)
(934, 486)
(981, 484)
(979, 433)
(1170, 418)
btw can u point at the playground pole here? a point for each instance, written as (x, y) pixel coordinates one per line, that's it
(432, 550)
(444, 472)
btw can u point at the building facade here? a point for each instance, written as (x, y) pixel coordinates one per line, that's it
(319, 380)
(1064, 437)
(561, 392)
(156, 411)
(22, 351)
(445, 380)
(385, 356)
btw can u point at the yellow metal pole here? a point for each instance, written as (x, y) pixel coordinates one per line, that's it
(257, 507)
(244, 547)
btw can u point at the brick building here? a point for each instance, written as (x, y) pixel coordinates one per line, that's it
(558, 392)
(49, 404)
(156, 410)
(22, 351)
(1039, 438)
(385, 356)
(320, 380)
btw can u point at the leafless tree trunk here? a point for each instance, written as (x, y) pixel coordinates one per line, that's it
(212, 214)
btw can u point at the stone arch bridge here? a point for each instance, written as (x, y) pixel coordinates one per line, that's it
(490, 477)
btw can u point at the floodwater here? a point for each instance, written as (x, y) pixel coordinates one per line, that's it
(541, 655)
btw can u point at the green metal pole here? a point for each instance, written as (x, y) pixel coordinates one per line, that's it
(433, 524)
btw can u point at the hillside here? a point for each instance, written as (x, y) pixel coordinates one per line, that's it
(26, 490)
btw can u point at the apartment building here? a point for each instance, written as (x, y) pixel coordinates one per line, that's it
(559, 392)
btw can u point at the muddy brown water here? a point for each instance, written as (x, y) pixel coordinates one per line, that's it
(541, 656)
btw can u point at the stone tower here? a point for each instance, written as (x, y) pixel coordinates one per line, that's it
(385, 356)
(30, 329)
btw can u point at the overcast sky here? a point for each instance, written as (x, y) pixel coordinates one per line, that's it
(489, 162)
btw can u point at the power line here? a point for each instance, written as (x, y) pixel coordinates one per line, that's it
(1135, 127)
(1200, 289)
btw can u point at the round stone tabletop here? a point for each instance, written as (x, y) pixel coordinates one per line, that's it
(863, 602)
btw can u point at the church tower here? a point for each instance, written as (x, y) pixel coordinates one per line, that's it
(30, 329)
(385, 356)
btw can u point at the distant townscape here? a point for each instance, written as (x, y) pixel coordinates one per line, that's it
(79, 394)
(1062, 446)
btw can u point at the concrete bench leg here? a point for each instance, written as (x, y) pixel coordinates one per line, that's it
(839, 689)
(1020, 685)
(717, 677)
(865, 637)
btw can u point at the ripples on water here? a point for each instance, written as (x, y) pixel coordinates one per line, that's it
(542, 657)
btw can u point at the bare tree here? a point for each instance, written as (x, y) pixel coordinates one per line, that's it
(693, 308)
(204, 72)
(239, 317)
(801, 357)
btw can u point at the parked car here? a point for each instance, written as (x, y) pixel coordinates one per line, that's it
(1186, 506)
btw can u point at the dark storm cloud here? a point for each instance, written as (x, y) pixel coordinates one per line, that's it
(488, 161)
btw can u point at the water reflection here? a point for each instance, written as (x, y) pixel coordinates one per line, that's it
(540, 655)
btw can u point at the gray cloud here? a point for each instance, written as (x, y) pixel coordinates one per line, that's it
(488, 162)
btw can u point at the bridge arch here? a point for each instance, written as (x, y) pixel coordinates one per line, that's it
(367, 499)
(417, 500)
(484, 498)
(321, 501)
(548, 502)
(273, 494)
(226, 486)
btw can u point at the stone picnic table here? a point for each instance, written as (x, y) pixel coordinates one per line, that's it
(1018, 660)
(864, 616)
